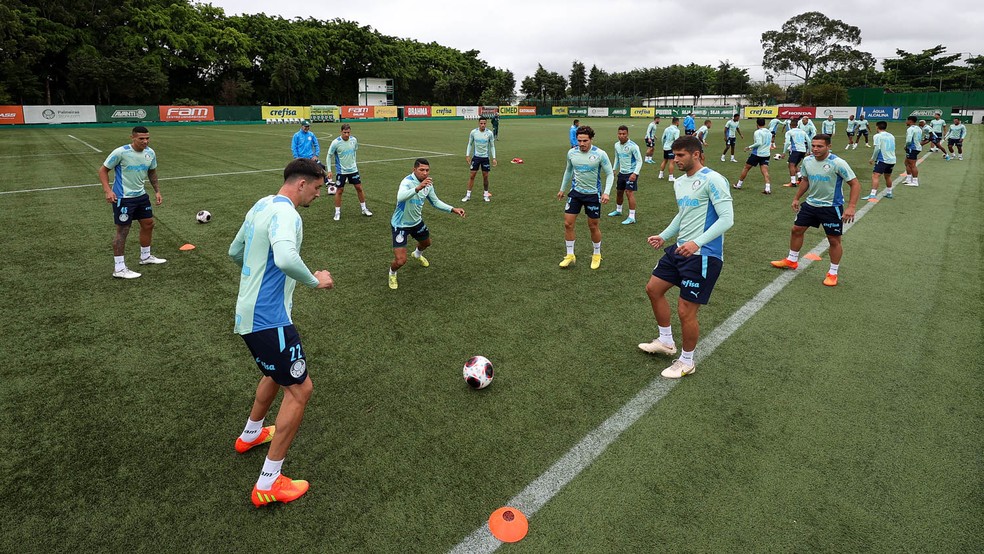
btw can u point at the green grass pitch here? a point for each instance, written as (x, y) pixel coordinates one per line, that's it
(836, 419)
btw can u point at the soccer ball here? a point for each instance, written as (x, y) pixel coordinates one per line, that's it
(478, 372)
(331, 188)
(778, 156)
(203, 216)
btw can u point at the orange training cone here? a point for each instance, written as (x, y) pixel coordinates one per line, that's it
(187, 247)
(812, 256)
(508, 524)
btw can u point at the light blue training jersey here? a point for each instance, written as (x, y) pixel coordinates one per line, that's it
(828, 127)
(410, 203)
(826, 179)
(913, 138)
(482, 143)
(628, 158)
(670, 134)
(704, 212)
(809, 128)
(937, 125)
(731, 128)
(702, 133)
(763, 142)
(651, 130)
(265, 292)
(957, 132)
(130, 170)
(584, 169)
(852, 125)
(862, 124)
(884, 148)
(341, 154)
(774, 125)
(796, 141)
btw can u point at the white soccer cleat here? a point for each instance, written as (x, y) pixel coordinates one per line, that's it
(152, 260)
(366, 212)
(722, 158)
(678, 370)
(466, 199)
(658, 347)
(126, 273)
(336, 217)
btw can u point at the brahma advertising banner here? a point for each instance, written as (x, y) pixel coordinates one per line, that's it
(786, 112)
(186, 113)
(59, 114)
(11, 115)
(110, 114)
(417, 111)
(357, 112)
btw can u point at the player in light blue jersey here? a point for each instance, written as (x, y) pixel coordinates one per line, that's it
(692, 263)
(774, 125)
(938, 125)
(341, 156)
(930, 136)
(955, 137)
(852, 126)
(481, 142)
(883, 158)
(824, 175)
(689, 125)
(585, 166)
(408, 217)
(304, 144)
(267, 251)
(861, 131)
(809, 128)
(703, 131)
(795, 146)
(730, 131)
(651, 131)
(573, 133)
(759, 155)
(670, 134)
(132, 165)
(913, 146)
(829, 126)
(628, 160)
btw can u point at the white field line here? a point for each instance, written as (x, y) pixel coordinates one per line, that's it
(17, 156)
(85, 143)
(578, 458)
(201, 176)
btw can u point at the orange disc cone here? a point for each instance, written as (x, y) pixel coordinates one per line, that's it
(508, 524)
(812, 256)
(187, 247)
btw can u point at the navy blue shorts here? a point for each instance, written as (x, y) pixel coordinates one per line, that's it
(278, 354)
(796, 157)
(883, 168)
(912, 154)
(863, 132)
(668, 155)
(343, 178)
(625, 184)
(689, 132)
(591, 203)
(755, 160)
(828, 217)
(694, 275)
(955, 142)
(125, 210)
(650, 142)
(850, 134)
(482, 163)
(729, 141)
(419, 232)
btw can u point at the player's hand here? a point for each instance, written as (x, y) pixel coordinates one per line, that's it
(656, 241)
(796, 206)
(494, 163)
(604, 198)
(871, 162)
(687, 249)
(158, 198)
(633, 177)
(458, 211)
(468, 160)
(111, 197)
(560, 195)
(848, 214)
(324, 279)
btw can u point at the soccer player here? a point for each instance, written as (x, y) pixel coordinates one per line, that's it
(938, 125)
(305, 144)
(774, 128)
(759, 155)
(796, 145)
(852, 126)
(913, 146)
(573, 133)
(703, 132)
(730, 129)
(670, 134)
(628, 160)
(883, 158)
(829, 126)
(955, 137)
(266, 248)
(651, 139)
(585, 165)
(481, 142)
(689, 125)
(861, 130)
(823, 178)
(495, 125)
(694, 262)
(132, 165)
(408, 218)
(341, 155)
(809, 128)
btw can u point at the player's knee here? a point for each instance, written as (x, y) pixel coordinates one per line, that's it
(400, 258)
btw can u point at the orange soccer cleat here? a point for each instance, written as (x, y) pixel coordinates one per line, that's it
(284, 489)
(784, 264)
(830, 280)
(266, 435)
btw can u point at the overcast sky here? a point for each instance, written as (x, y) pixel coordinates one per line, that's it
(619, 35)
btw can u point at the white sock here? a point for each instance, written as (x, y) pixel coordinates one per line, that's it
(738, 184)
(671, 175)
(486, 193)
(793, 256)
(792, 179)
(597, 247)
(144, 252)
(363, 205)
(915, 180)
(467, 194)
(570, 246)
(118, 263)
(269, 474)
(660, 175)
(252, 430)
(799, 174)
(338, 211)
(687, 357)
(618, 208)
(874, 192)
(833, 269)
(768, 187)
(632, 214)
(665, 335)
(416, 252)
(392, 272)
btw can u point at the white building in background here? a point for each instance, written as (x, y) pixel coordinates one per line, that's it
(707, 101)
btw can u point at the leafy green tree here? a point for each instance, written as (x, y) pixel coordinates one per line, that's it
(578, 81)
(931, 69)
(544, 85)
(730, 79)
(598, 83)
(764, 93)
(810, 42)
